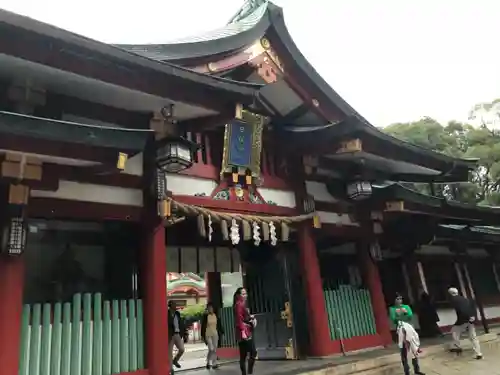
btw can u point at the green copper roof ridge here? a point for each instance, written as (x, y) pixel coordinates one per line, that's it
(238, 26)
(248, 7)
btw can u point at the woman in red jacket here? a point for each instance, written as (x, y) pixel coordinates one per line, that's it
(245, 323)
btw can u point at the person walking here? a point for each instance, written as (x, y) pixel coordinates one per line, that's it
(211, 332)
(245, 324)
(466, 316)
(408, 340)
(176, 333)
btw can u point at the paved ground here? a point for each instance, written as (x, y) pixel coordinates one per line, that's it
(464, 365)
(441, 363)
(195, 357)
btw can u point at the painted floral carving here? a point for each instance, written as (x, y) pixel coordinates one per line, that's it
(222, 195)
(254, 198)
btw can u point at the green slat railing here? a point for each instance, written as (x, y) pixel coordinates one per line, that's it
(227, 318)
(84, 337)
(349, 311)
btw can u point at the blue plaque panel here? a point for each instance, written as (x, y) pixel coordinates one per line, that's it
(240, 144)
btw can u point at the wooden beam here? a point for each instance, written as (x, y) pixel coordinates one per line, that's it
(352, 145)
(18, 194)
(98, 111)
(202, 124)
(395, 206)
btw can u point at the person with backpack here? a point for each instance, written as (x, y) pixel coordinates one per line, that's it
(466, 316)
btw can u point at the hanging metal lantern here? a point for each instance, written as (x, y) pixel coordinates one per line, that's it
(175, 154)
(359, 190)
(376, 251)
(14, 236)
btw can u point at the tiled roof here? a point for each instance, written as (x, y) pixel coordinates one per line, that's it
(158, 51)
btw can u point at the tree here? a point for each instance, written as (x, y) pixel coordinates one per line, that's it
(480, 140)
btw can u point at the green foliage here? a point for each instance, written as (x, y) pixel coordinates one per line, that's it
(192, 313)
(480, 141)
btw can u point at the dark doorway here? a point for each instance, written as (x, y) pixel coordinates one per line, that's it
(268, 297)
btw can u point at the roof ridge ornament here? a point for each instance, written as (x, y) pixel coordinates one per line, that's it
(248, 7)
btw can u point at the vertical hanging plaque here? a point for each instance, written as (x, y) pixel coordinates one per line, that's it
(243, 144)
(240, 144)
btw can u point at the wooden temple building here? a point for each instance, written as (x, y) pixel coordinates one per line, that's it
(225, 153)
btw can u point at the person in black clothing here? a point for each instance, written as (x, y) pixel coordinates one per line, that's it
(428, 317)
(176, 333)
(466, 316)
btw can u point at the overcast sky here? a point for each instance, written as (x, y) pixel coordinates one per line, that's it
(392, 60)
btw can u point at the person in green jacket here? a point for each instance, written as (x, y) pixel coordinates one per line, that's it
(400, 311)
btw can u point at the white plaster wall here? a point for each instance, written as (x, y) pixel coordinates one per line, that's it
(448, 316)
(187, 185)
(76, 191)
(319, 191)
(134, 165)
(335, 218)
(284, 198)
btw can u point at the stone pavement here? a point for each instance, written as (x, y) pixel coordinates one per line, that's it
(447, 364)
(436, 361)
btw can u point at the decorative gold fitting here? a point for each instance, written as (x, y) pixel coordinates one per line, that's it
(122, 161)
(316, 222)
(164, 209)
(211, 67)
(239, 111)
(264, 42)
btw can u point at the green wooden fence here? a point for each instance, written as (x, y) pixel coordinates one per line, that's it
(349, 311)
(227, 318)
(86, 337)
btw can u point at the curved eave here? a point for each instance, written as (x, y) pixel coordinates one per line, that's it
(219, 42)
(415, 202)
(297, 65)
(469, 234)
(88, 50)
(326, 138)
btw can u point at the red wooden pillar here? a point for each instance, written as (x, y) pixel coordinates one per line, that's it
(316, 307)
(11, 309)
(155, 298)
(372, 279)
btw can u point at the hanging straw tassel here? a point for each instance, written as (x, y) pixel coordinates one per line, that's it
(247, 230)
(285, 232)
(224, 227)
(201, 226)
(265, 231)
